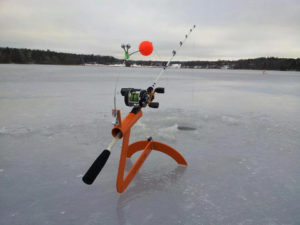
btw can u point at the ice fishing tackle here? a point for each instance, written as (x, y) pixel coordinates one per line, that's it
(137, 99)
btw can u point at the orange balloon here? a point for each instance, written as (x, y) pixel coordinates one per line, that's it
(146, 48)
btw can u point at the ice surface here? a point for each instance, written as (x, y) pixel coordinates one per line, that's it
(243, 147)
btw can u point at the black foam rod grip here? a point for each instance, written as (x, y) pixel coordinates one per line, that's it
(96, 167)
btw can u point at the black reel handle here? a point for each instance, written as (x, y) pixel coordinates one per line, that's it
(160, 90)
(154, 105)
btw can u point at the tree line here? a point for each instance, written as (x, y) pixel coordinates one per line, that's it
(262, 63)
(28, 56)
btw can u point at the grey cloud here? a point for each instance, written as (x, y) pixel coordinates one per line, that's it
(225, 29)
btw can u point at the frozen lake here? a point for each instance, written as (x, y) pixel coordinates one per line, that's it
(243, 148)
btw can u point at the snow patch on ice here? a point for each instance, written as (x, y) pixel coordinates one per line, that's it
(15, 131)
(230, 120)
(205, 117)
(3, 130)
(1, 170)
(141, 125)
(168, 132)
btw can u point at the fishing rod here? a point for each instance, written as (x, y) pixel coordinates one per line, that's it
(174, 52)
(137, 99)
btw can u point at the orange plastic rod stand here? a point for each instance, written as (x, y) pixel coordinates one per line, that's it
(128, 150)
(122, 184)
(158, 146)
(126, 123)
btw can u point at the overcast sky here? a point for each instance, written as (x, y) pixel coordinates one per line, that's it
(226, 29)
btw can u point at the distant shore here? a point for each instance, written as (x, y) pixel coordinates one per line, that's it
(29, 56)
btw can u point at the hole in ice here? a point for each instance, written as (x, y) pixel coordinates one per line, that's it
(186, 128)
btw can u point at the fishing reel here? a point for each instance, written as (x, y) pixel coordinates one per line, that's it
(141, 98)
